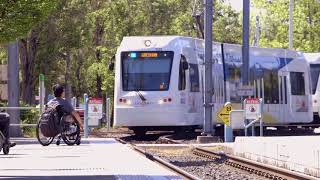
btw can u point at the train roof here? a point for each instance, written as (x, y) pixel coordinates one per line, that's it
(257, 51)
(131, 43)
(313, 58)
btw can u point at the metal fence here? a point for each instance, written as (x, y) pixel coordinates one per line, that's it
(105, 117)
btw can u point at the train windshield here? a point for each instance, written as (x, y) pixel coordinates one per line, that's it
(315, 70)
(146, 71)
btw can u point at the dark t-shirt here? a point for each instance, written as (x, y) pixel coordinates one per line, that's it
(65, 106)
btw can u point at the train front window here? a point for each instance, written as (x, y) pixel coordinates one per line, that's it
(146, 71)
(315, 70)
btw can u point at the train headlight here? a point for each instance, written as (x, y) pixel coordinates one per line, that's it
(125, 101)
(147, 43)
(160, 101)
(128, 102)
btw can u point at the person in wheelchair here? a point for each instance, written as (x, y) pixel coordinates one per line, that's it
(4, 128)
(66, 109)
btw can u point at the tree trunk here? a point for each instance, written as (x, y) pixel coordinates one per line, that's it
(67, 77)
(28, 50)
(79, 65)
(98, 42)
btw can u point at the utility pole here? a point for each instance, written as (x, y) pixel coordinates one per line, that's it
(207, 129)
(291, 25)
(245, 41)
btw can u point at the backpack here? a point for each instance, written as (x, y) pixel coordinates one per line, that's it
(49, 121)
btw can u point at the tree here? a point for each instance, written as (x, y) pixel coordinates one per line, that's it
(275, 24)
(17, 19)
(19, 16)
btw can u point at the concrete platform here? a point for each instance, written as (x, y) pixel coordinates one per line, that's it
(93, 159)
(297, 153)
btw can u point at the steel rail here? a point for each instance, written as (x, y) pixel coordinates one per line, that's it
(164, 163)
(167, 140)
(260, 169)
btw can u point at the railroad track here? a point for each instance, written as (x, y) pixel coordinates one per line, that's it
(263, 170)
(166, 164)
(257, 168)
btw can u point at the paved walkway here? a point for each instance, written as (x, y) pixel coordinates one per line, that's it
(93, 159)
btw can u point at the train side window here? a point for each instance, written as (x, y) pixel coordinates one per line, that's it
(271, 87)
(285, 90)
(297, 83)
(194, 78)
(182, 73)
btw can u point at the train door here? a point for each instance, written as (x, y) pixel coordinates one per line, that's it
(189, 89)
(284, 110)
(182, 84)
(194, 97)
(299, 98)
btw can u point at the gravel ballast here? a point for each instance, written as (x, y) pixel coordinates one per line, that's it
(203, 168)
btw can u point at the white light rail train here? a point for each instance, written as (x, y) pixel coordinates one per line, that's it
(159, 83)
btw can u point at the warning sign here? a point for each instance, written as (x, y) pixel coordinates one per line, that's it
(252, 108)
(94, 111)
(224, 113)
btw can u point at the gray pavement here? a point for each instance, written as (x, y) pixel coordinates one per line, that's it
(93, 159)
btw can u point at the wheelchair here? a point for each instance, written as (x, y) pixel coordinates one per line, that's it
(4, 144)
(69, 131)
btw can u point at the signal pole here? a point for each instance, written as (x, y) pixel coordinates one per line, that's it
(208, 129)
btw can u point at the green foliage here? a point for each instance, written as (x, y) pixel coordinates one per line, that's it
(70, 31)
(275, 24)
(28, 117)
(3, 55)
(19, 16)
(226, 26)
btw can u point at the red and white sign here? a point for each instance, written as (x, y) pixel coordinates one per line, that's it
(252, 101)
(94, 111)
(95, 101)
(252, 108)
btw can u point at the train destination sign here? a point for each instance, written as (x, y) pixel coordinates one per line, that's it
(144, 55)
(224, 113)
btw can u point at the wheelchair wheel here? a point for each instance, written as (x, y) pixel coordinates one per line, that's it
(71, 132)
(43, 140)
(6, 149)
(2, 141)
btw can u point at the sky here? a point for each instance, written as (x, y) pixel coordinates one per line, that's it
(236, 4)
